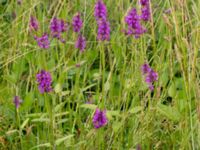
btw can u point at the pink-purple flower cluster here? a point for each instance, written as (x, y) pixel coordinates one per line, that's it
(134, 24)
(57, 27)
(44, 81)
(145, 10)
(133, 19)
(77, 23)
(100, 14)
(144, 2)
(43, 41)
(19, 2)
(150, 75)
(103, 30)
(100, 10)
(17, 101)
(80, 43)
(99, 118)
(33, 24)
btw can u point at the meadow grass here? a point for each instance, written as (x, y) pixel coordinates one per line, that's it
(106, 75)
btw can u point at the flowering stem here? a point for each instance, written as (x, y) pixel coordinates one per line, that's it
(152, 28)
(50, 112)
(18, 124)
(102, 59)
(43, 60)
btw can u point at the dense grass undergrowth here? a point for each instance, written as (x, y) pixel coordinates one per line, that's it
(81, 84)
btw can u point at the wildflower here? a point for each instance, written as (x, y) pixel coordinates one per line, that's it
(44, 80)
(43, 42)
(19, 2)
(151, 87)
(134, 26)
(100, 10)
(78, 65)
(150, 75)
(132, 19)
(103, 30)
(57, 26)
(145, 68)
(138, 147)
(77, 23)
(14, 15)
(64, 25)
(145, 13)
(144, 2)
(17, 101)
(33, 25)
(167, 11)
(139, 31)
(99, 118)
(80, 43)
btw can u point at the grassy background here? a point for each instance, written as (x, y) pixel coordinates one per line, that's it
(109, 75)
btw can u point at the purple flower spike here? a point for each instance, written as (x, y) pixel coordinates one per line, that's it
(64, 26)
(134, 26)
(99, 118)
(145, 69)
(17, 101)
(19, 2)
(132, 19)
(57, 26)
(33, 24)
(146, 13)
(139, 31)
(77, 23)
(144, 2)
(150, 75)
(43, 42)
(100, 10)
(80, 43)
(103, 30)
(44, 80)
(151, 87)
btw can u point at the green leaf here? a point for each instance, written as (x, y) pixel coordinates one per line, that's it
(41, 120)
(24, 123)
(28, 101)
(59, 106)
(35, 115)
(89, 106)
(88, 87)
(111, 113)
(164, 78)
(136, 109)
(58, 88)
(59, 141)
(116, 126)
(11, 78)
(64, 93)
(107, 86)
(179, 82)
(170, 112)
(172, 90)
(42, 145)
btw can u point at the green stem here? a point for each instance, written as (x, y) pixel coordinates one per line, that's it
(102, 59)
(18, 124)
(50, 112)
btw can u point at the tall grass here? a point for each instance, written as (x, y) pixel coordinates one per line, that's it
(106, 75)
